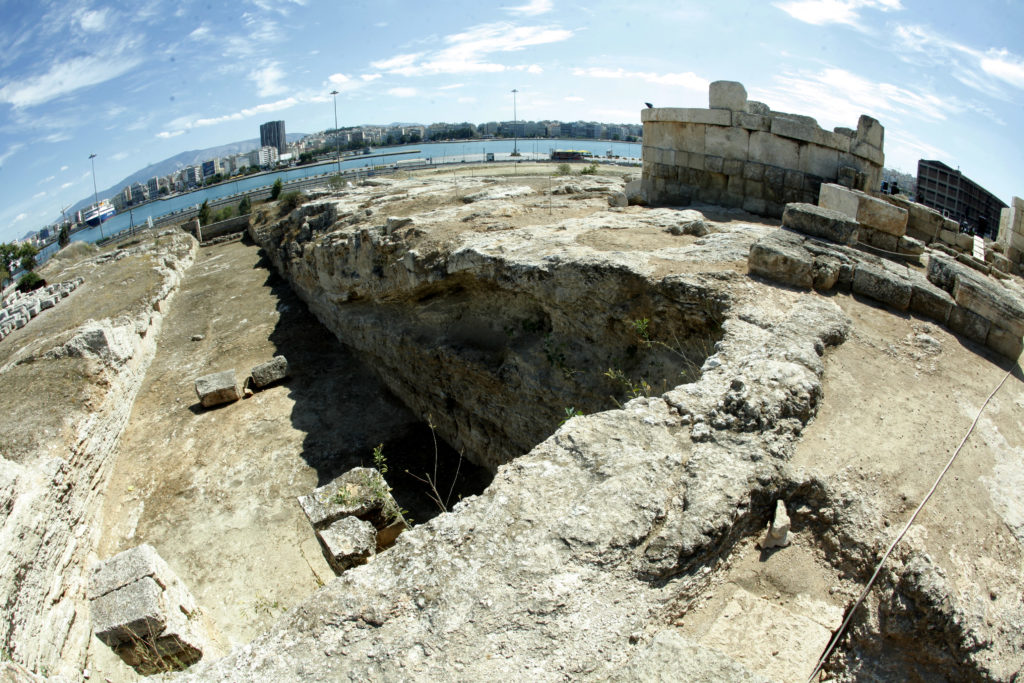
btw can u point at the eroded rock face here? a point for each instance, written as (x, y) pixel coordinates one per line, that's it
(584, 549)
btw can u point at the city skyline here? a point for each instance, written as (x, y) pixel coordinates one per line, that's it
(138, 86)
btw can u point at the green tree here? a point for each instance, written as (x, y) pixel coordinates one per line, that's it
(204, 212)
(245, 206)
(64, 237)
(275, 190)
(27, 252)
(8, 253)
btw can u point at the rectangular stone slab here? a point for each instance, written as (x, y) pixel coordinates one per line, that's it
(132, 612)
(819, 222)
(272, 371)
(220, 387)
(990, 300)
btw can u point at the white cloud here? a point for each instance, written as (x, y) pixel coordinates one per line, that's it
(65, 78)
(369, 77)
(66, 185)
(39, 195)
(984, 71)
(64, 168)
(467, 100)
(468, 52)
(573, 98)
(93, 21)
(1005, 66)
(164, 134)
(120, 156)
(452, 86)
(10, 152)
(201, 32)
(268, 80)
(686, 79)
(46, 180)
(403, 92)
(532, 8)
(20, 217)
(820, 12)
(838, 97)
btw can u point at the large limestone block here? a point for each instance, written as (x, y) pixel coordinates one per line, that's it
(928, 300)
(781, 257)
(348, 542)
(727, 95)
(819, 222)
(217, 388)
(274, 370)
(767, 148)
(969, 324)
(730, 143)
(716, 117)
(1004, 342)
(882, 284)
(881, 215)
(819, 160)
(869, 130)
(839, 198)
(358, 492)
(133, 612)
(989, 299)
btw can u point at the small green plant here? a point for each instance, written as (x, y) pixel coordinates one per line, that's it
(589, 170)
(379, 461)
(244, 206)
(633, 389)
(275, 189)
(336, 182)
(30, 281)
(642, 328)
(570, 413)
(563, 169)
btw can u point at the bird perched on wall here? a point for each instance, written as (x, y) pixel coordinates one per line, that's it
(649, 105)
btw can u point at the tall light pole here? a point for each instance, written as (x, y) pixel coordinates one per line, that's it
(337, 140)
(95, 194)
(515, 133)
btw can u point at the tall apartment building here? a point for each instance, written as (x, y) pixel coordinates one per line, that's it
(958, 197)
(272, 135)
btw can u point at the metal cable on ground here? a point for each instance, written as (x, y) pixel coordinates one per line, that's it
(849, 615)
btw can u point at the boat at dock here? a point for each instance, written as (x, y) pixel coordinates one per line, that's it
(98, 213)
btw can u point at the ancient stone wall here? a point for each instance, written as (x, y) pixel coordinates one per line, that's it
(1011, 230)
(739, 153)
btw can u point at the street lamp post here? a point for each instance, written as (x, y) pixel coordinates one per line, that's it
(95, 194)
(337, 140)
(515, 132)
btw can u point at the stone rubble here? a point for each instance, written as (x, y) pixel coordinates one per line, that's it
(18, 308)
(274, 370)
(777, 535)
(217, 388)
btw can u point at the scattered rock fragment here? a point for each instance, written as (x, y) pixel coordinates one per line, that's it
(217, 388)
(273, 370)
(778, 531)
(348, 542)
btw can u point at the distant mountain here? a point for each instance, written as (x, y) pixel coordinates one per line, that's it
(179, 161)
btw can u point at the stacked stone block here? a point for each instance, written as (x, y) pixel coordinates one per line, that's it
(812, 251)
(353, 516)
(142, 610)
(739, 153)
(20, 307)
(1011, 230)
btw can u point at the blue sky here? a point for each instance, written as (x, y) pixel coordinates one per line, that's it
(137, 82)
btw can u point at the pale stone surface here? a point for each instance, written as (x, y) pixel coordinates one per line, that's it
(358, 492)
(274, 370)
(671, 657)
(819, 222)
(777, 535)
(217, 388)
(348, 542)
(881, 215)
(839, 198)
(727, 95)
(883, 284)
(771, 639)
(729, 143)
(767, 148)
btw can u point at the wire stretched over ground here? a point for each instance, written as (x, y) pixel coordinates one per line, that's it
(878, 568)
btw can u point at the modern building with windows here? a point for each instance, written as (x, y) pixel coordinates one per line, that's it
(272, 135)
(958, 197)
